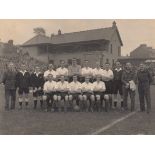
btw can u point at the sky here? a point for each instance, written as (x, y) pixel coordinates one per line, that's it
(133, 32)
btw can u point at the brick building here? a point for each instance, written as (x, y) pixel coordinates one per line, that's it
(8, 49)
(141, 54)
(102, 45)
(143, 51)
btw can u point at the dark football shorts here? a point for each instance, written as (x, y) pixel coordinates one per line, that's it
(117, 87)
(50, 96)
(99, 93)
(109, 87)
(88, 94)
(75, 96)
(62, 94)
(22, 91)
(38, 93)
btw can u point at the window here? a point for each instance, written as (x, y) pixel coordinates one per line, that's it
(119, 51)
(111, 48)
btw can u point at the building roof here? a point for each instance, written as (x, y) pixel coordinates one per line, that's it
(38, 39)
(81, 36)
(143, 51)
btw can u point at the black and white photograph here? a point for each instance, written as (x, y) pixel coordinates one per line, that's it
(77, 76)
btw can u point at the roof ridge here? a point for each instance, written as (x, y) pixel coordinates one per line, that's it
(82, 31)
(36, 37)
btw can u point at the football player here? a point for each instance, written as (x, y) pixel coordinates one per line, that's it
(86, 71)
(117, 84)
(74, 69)
(74, 91)
(37, 82)
(23, 84)
(97, 70)
(50, 71)
(62, 93)
(107, 78)
(87, 91)
(62, 70)
(50, 93)
(99, 93)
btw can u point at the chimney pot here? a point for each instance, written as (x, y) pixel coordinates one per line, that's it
(59, 32)
(114, 24)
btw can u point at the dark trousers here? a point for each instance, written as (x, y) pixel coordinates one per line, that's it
(144, 94)
(127, 91)
(10, 93)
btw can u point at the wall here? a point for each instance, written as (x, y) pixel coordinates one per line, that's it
(115, 45)
(91, 56)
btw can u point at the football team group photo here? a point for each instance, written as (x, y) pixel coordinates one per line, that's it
(94, 80)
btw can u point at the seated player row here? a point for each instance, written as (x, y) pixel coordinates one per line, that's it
(84, 96)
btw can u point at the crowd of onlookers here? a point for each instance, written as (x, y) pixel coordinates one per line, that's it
(19, 59)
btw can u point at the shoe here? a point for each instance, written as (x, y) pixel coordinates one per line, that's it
(91, 110)
(46, 110)
(115, 104)
(87, 110)
(20, 107)
(148, 111)
(52, 110)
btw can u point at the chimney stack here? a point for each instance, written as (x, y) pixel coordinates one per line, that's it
(114, 24)
(59, 32)
(10, 42)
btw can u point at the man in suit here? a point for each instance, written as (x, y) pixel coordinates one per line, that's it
(144, 79)
(10, 81)
(128, 80)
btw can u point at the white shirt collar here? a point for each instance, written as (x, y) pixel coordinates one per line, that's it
(23, 72)
(37, 73)
(118, 69)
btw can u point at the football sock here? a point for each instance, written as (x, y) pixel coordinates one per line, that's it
(35, 104)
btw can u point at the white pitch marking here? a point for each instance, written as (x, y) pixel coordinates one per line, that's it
(112, 124)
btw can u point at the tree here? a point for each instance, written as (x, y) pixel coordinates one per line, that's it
(39, 31)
